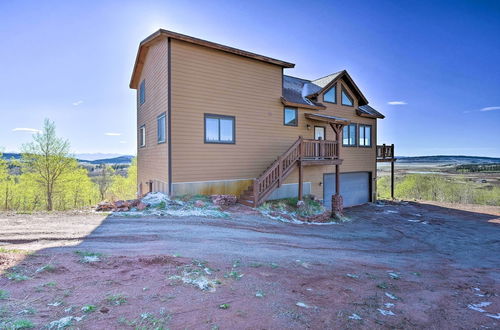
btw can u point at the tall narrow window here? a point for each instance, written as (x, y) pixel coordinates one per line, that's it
(161, 127)
(219, 129)
(290, 117)
(142, 136)
(349, 135)
(346, 99)
(142, 92)
(365, 136)
(331, 95)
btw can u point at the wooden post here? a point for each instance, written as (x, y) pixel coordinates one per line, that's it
(392, 179)
(392, 171)
(301, 179)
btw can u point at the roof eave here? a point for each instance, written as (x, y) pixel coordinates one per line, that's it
(301, 105)
(366, 115)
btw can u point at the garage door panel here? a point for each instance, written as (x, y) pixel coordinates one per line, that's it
(354, 188)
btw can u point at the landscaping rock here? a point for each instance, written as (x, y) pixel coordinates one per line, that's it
(224, 201)
(199, 203)
(105, 207)
(141, 206)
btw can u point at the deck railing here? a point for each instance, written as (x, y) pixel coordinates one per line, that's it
(385, 152)
(273, 177)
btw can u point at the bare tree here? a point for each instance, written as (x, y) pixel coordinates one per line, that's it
(104, 179)
(48, 157)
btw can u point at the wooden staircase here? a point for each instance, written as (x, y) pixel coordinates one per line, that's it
(300, 153)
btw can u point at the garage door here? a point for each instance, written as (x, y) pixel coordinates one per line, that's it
(354, 188)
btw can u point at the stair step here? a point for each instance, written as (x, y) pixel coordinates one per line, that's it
(246, 202)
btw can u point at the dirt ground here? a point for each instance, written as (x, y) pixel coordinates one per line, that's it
(398, 265)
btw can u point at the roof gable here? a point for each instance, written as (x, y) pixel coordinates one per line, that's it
(326, 82)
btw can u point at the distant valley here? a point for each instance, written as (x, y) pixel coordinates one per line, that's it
(126, 159)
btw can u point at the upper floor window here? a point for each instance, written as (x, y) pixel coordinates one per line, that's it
(160, 121)
(290, 117)
(142, 136)
(331, 95)
(142, 92)
(365, 136)
(349, 135)
(346, 99)
(219, 129)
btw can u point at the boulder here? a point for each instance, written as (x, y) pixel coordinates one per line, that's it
(141, 206)
(105, 207)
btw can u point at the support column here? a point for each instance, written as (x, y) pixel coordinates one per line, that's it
(301, 179)
(337, 200)
(392, 179)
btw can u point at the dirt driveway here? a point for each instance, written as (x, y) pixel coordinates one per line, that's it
(404, 265)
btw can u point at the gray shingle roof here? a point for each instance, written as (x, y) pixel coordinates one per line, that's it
(296, 89)
(370, 111)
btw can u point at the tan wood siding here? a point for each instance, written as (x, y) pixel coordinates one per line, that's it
(153, 158)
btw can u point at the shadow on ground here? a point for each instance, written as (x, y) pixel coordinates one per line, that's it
(395, 265)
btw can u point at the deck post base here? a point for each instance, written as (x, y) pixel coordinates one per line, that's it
(337, 205)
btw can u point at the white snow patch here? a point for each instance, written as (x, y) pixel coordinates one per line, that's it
(352, 275)
(394, 276)
(391, 296)
(91, 259)
(55, 304)
(63, 322)
(478, 307)
(303, 305)
(199, 281)
(385, 312)
(391, 211)
(495, 316)
(355, 316)
(389, 305)
(155, 198)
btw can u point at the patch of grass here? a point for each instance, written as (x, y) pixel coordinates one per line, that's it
(234, 274)
(289, 205)
(224, 306)
(22, 324)
(255, 265)
(88, 254)
(4, 294)
(116, 299)
(274, 265)
(28, 311)
(89, 308)
(50, 284)
(16, 277)
(47, 268)
(16, 251)
(148, 321)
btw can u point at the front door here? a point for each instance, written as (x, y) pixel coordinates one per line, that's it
(319, 133)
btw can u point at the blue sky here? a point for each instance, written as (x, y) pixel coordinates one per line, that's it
(71, 62)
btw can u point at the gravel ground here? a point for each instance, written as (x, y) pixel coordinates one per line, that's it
(399, 265)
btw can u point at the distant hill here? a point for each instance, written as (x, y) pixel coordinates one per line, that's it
(441, 159)
(127, 159)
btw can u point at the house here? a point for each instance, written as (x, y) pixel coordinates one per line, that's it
(213, 119)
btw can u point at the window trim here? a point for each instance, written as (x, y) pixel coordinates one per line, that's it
(215, 116)
(348, 96)
(296, 116)
(164, 115)
(371, 135)
(142, 88)
(329, 89)
(355, 138)
(142, 136)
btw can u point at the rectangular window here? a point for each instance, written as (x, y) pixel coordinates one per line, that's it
(219, 129)
(290, 117)
(142, 92)
(349, 135)
(142, 136)
(346, 99)
(365, 135)
(331, 95)
(161, 127)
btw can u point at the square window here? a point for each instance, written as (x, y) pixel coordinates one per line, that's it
(349, 135)
(161, 126)
(290, 117)
(365, 135)
(219, 129)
